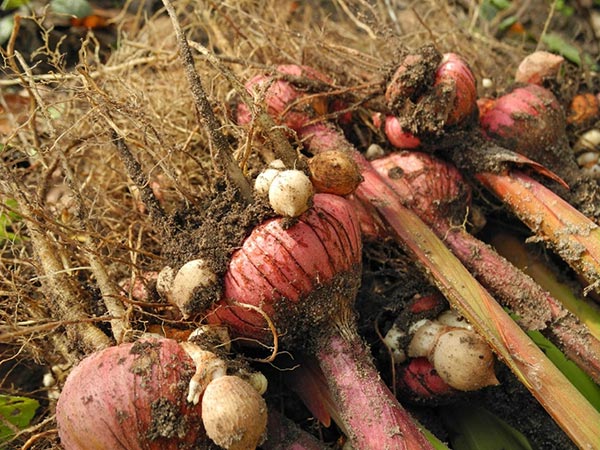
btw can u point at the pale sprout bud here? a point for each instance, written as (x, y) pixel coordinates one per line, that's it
(374, 151)
(265, 178)
(234, 414)
(257, 380)
(291, 193)
(208, 368)
(191, 275)
(277, 164)
(459, 355)
(393, 341)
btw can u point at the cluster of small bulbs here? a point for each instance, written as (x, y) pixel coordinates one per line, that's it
(587, 152)
(290, 191)
(459, 355)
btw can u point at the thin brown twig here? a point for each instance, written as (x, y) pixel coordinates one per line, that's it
(64, 299)
(10, 56)
(135, 172)
(36, 437)
(221, 152)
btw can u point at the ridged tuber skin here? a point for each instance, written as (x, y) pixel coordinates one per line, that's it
(133, 397)
(305, 278)
(436, 191)
(529, 120)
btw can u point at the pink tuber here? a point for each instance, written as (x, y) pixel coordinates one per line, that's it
(454, 76)
(527, 120)
(530, 121)
(135, 396)
(436, 191)
(428, 93)
(304, 278)
(122, 398)
(398, 137)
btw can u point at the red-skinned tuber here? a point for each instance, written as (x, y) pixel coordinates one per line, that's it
(304, 278)
(454, 76)
(530, 121)
(426, 98)
(135, 396)
(436, 191)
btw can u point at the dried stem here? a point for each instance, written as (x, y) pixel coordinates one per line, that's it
(110, 294)
(221, 152)
(135, 172)
(64, 299)
(281, 145)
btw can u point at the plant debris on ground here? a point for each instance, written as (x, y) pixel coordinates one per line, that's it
(107, 174)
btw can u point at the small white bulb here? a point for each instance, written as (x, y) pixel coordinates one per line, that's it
(393, 341)
(290, 193)
(265, 178)
(425, 338)
(374, 151)
(452, 319)
(191, 275)
(464, 360)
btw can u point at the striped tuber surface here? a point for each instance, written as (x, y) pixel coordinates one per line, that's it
(305, 278)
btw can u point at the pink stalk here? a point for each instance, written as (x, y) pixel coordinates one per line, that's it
(303, 279)
(435, 191)
(528, 363)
